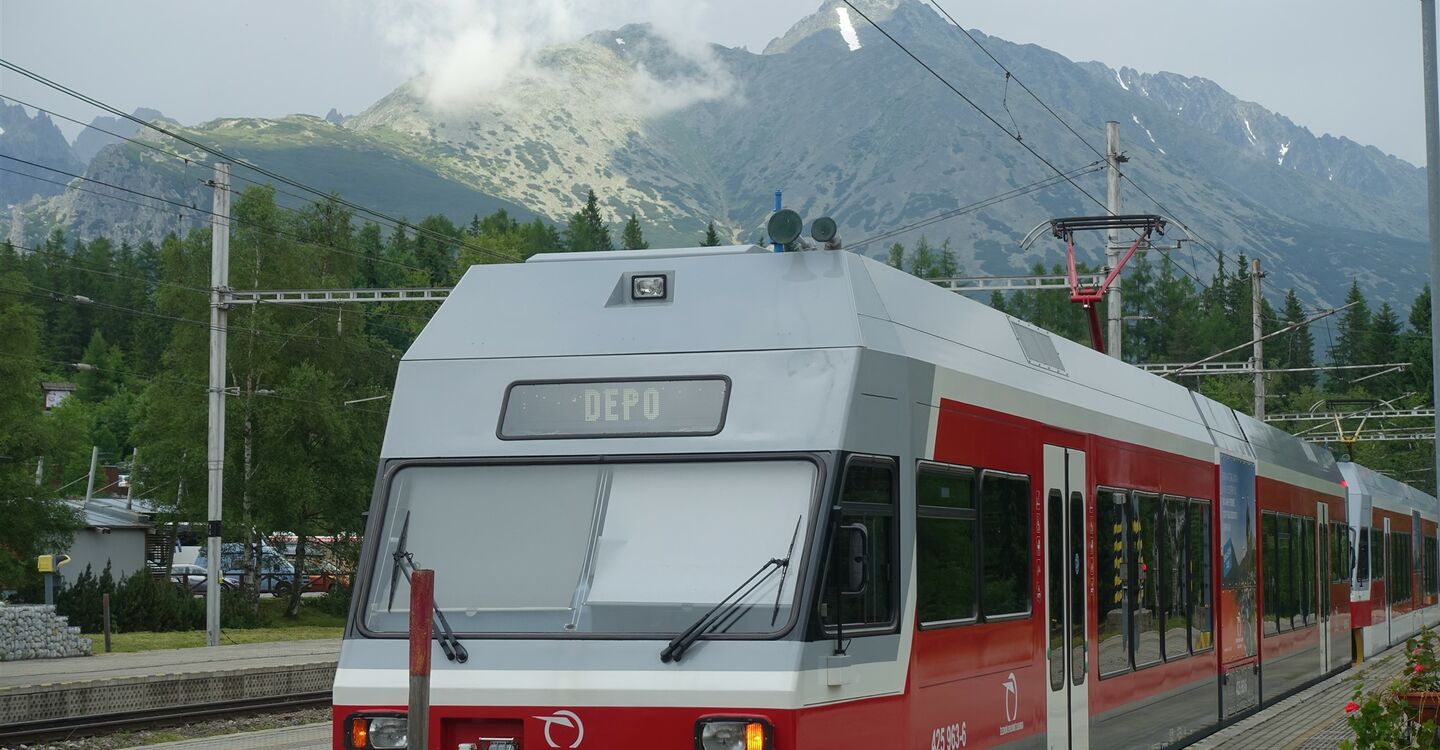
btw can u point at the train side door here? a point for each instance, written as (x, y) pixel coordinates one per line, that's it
(1067, 705)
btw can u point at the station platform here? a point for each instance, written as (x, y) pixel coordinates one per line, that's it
(84, 688)
(1312, 719)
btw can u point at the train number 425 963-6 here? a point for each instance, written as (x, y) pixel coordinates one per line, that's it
(950, 737)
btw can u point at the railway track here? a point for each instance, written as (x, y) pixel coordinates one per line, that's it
(76, 727)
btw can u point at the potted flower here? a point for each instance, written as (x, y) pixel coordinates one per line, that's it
(1402, 714)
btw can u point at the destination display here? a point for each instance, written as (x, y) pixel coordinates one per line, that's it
(692, 406)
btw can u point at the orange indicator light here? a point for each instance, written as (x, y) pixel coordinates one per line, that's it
(359, 733)
(755, 736)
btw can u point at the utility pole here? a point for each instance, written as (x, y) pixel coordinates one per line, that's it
(1114, 309)
(1258, 334)
(1432, 173)
(219, 286)
(90, 482)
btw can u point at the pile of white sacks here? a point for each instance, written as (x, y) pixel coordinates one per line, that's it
(36, 632)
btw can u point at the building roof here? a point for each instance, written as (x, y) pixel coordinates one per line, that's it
(111, 513)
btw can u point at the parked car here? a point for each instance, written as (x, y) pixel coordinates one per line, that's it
(276, 574)
(194, 578)
(324, 576)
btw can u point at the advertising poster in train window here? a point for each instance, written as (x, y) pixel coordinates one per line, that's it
(1237, 559)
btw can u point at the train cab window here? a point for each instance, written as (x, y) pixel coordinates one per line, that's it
(945, 544)
(867, 503)
(1174, 640)
(1197, 562)
(1005, 545)
(1148, 577)
(1112, 535)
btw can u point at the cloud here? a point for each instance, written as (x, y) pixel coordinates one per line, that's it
(461, 52)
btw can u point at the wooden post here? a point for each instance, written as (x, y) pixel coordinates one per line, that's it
(105, 613)
(422, 603)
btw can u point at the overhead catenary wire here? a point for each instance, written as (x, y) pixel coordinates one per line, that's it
(240, 162)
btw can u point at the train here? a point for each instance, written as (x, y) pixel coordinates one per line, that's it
(725, 498)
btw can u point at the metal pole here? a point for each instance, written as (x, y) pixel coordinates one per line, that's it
(1114, 307)
(50, 589)
(422, 604)
(90, 483)
(105, 614)
(779, 248)
(1432, 173)
(1258, 333)
(130, 485)
(219, 284)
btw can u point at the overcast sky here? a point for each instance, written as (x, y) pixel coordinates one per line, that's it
(1346, 67)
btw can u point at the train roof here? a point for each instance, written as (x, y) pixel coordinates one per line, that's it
(1386, 493)
(746, 298)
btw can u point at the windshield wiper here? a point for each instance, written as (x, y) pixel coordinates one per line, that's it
(789, 551)
(405, 563)
(707, 622)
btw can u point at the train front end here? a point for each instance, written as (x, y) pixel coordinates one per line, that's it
(615, 467)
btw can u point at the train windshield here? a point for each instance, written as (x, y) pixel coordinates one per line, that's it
(578, 549)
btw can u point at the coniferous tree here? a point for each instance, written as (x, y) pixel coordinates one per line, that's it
(1351, 345)
(896, 256)
(632, 238)
(1296, 349)
(1383, 348)
(712, 238)
(922, 262)
(946, 267)
(1415, 346)
(586, 230)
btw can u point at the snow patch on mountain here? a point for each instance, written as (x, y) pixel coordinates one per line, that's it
(847, 29)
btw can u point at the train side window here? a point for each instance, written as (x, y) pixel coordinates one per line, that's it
(1377, 554)
(1112, 524)
(1270, 559)
(1399, 567)
(1148, 577)
(945, 544)
(867, 498)
(1005, 544)
(1172, 572)
(1432, 557)
(1197, 562)
(1362, 557)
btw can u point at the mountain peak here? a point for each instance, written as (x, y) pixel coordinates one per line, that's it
(834, 23)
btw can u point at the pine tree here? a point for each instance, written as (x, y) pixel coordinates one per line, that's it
(1384, 348)
(896, 256)
(1351, 341)
(712, 238)
(1416, 346)
(586, 230)
(946, 267)
(922, 263)
(632, 238)
(1295, 349)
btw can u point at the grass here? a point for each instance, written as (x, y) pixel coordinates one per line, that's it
(311, 624)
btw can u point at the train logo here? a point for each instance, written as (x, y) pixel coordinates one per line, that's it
(1012, 699)
(565, 719)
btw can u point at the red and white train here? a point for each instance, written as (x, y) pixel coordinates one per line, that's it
(728, 499)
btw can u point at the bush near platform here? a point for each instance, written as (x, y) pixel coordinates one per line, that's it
(1403, 713)
(139, 602)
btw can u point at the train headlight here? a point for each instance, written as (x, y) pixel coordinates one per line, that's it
(378, 733)
(647, 287)
(733, 734)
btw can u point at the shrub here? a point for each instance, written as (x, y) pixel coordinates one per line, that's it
(336, 601)
(147, 603)
(81, 600)
(237, 611)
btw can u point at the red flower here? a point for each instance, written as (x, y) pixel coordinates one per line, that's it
(1419, 668)
(1352, 707)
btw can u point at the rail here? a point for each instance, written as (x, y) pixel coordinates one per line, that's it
(78, 727)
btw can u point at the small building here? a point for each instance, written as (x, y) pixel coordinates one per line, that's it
(124, 537)
(56, 393)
